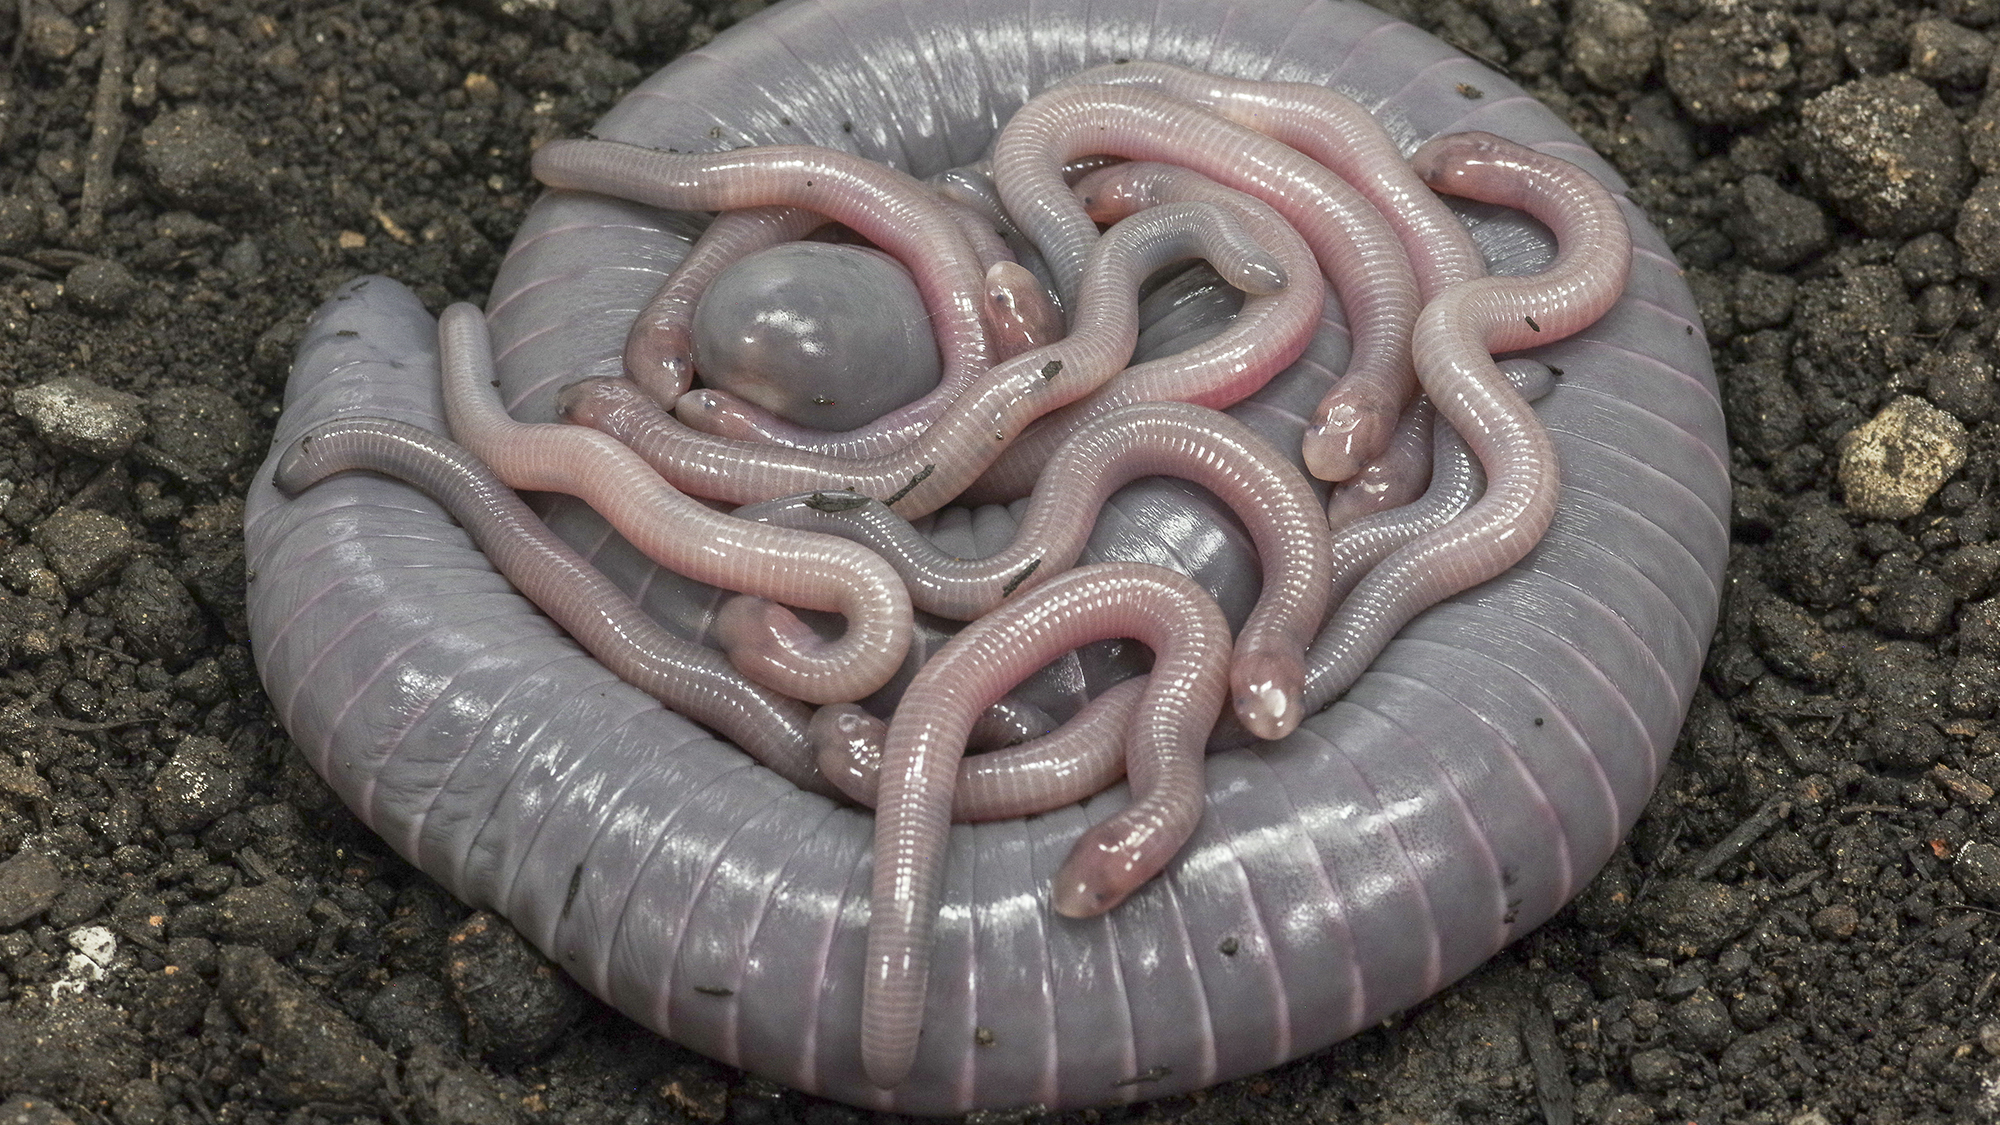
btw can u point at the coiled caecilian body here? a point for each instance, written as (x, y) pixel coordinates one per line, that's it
(1458, 794)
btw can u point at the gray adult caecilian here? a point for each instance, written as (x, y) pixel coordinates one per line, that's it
(1458, 794)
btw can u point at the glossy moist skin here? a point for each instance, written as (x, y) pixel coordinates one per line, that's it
(1466, 787)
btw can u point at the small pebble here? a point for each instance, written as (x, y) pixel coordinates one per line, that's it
(1887, 153)
(1914, 605)
(1976, 870)
(516, 1003)
(244, 259)
(140, 1102)
(1902, 742)
(412, 1009)
(195, 786)
(1775, 229)
(1942, 51)
(1655, 1069)
(1702, 1022)
(1960, 383)
(51, 36)
(1906, 671)
(184, 228)
(1612, 42)
(20, 224)
(76, 414)
(1764, 300)
(268, 916)
(448, 1092)
(155, 612)
(1765, 411)
(78, 903)
(1928, 259)
(1686, 917)
(30, 628)
(1972, 571)
(1989, 1038)
(102, 288)
(1730, 70)
(1856, 331)
(26, 571)
(1891, 465)
(1793, 643)
(1816, 553)
(199, 162)
(29, 884)
(198, 434)
(310, 1051)
(1978, 229)
(1627, 1109)
(1979, 628)
(1974, 686)
(85, 546)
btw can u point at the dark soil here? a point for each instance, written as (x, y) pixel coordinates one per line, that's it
(1800, 931)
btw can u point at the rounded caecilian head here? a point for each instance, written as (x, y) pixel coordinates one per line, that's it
(821, 334)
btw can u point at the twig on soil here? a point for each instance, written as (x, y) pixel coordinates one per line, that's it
(1742, 836)
(107, 120)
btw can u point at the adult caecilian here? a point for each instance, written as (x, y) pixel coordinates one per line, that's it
(1459, 793)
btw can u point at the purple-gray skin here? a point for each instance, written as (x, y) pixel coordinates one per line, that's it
(805, 366)
(1468, 785)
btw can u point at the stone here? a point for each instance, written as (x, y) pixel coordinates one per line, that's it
(195, 786)
(1815, 555)
(1978, 230)
(452, 1093)
(1775, 229)
(1655, 1069)
(1976, 870)
(155, 612)
(1886, 151)
(1686, 917)
(1960, 383)
(516, 1003)
(1942, 51)
(1763, 300)
(1702, 1022)
(140, 1102)
(200, 163)
(199, 434)
(1928, 259)
(267, 916)
(102, 288)
(1612, 42)
(1914, 605)
(1837, 921)
(20, 224)
(312, 1052)
(29, 884)
(411, 1009)
(1730, 70)
(1793, 643)
(51, 36)
(1900, 742)
(30, 628)
(76, 414)
(85, 546)
(1891, 465)
(1979, 628)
